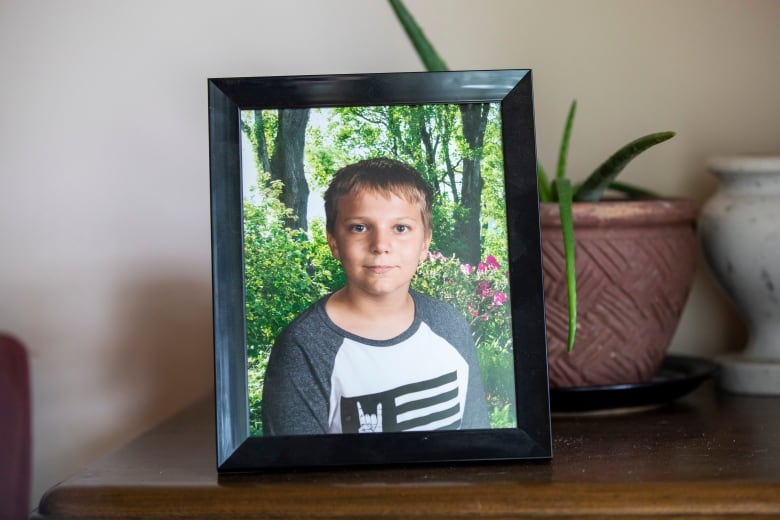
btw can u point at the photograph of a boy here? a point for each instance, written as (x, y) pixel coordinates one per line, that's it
(375, 355)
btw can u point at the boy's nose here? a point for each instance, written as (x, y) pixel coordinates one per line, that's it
(380, 243)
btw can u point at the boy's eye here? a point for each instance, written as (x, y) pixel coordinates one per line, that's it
(357, 228)
(401, 228)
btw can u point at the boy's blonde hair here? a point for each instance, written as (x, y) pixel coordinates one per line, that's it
(383, 176)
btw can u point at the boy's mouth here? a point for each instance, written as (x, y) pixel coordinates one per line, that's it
(380, 269)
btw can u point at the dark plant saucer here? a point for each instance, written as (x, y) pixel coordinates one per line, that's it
(678, 376)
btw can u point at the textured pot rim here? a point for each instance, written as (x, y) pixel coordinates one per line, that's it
(623, 213)
(744, 164)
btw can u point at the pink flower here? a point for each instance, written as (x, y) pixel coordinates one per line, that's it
(483, 289)
(466, 268)
(499, 298)
(491, 262)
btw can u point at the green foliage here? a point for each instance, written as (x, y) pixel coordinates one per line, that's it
(326, 270)
(276, 268)
(430, 138)
(284, 271)
(259, 128)
(446, 215)
(503, 417)
(321, 157)
(255, 371)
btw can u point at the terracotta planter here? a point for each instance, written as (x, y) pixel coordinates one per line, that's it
(635, 262)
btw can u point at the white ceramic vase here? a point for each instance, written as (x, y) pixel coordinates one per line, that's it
(739, 229)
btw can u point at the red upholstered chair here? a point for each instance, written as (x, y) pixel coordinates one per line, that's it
(15, 438)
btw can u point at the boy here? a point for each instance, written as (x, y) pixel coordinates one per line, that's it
(374, 355)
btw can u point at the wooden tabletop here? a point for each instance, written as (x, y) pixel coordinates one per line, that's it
(707, 454)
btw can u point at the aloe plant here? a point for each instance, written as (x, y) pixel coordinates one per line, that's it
(560, 189)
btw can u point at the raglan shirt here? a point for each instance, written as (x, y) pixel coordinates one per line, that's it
(322, 379)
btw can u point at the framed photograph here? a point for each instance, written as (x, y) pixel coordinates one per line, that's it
(377, 274)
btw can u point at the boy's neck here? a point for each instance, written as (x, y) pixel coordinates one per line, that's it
(378, 318)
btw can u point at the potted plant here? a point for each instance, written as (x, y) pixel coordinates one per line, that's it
(620, 286)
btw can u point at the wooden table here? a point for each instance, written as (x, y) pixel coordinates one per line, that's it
(706, 455)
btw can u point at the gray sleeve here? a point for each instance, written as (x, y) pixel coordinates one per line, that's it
(446, 321)
(297, 380)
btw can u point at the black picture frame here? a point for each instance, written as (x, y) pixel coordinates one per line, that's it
(237, 450)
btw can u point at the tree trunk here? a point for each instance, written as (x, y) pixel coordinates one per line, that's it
(429, 153)
(474, 123)
(287, 164)
(261, 147)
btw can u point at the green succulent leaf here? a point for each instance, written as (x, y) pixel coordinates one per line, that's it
(425, 50)
(564, 190)
(563, 153)
(545, 192)
(594, 186)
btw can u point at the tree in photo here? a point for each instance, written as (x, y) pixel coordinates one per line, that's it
(446, 143)
(284, 161)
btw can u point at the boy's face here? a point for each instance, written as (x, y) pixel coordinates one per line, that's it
(379, 239)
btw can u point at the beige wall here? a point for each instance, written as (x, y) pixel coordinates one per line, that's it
(104, 194)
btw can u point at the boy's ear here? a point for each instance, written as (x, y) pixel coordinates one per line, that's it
(334, 248)
(426, 245)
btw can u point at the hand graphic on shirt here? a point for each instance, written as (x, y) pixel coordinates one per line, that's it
(370, 422)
